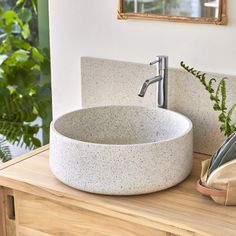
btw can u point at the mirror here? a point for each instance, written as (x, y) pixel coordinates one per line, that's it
(199, 11)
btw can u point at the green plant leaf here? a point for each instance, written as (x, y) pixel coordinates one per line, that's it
(210, 89)
(216, 107)
(21, 64)
(34, 5)
(1, 75)
(20, 55)
(36, 142)
(223, 94)
(9, 16)
(218, 97)
(212, 97)
(15, 28)
(5, 153)
(4, 94)
(25, 14)
(36, 68)
(1, 24)
(19, 2)
(5, 46)
(232, 109)
(18, 43)
(222, 128)
(222, 117)
(19, 133)
(3, 58)
(37, 56)
(19, 109)
(25, 31)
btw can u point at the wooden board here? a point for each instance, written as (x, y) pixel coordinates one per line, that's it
(46, 217)
(2, 213)
(179, 210)
(7, 213)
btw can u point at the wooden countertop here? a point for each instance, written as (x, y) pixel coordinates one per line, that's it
(179, 210)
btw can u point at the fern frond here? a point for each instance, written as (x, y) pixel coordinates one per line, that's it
(203, 80)
(5, 153)
(218, 92)
(18, 109)
(218, 97)
(210, 88)
(230, 113)
(16, 113)
(201, 76)
(20, 133)
(223, 94)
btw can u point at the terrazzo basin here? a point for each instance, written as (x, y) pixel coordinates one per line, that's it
(121, 150)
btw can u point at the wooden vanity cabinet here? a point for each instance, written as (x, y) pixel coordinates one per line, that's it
(29, 215)
(7, 214)
(34, 203)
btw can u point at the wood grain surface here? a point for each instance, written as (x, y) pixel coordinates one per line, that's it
(179, 210)
(7, 213)
(54, 218)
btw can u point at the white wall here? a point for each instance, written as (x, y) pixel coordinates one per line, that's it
(90, 28)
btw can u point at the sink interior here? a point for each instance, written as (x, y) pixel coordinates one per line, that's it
(122, 125)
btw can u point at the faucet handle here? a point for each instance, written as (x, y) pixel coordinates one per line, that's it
(154, 62)
(162, 62)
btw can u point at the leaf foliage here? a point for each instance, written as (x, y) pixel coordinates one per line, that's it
(24, 97)
(218, 97)
(5, 153)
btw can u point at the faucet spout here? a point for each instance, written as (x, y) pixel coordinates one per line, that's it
(161, 63)
(147, 83)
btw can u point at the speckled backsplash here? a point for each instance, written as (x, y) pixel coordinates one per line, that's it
(109, 82)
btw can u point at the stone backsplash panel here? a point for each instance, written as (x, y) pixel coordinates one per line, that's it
(109, 82)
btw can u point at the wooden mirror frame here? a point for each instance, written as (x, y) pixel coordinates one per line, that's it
(221, 20)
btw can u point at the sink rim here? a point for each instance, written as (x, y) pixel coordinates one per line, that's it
(186, 119)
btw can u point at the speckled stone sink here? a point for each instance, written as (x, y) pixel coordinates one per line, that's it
(121, 150)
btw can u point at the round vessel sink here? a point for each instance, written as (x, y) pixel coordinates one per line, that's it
(121, 150)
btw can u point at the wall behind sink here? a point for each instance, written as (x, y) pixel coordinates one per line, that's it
(110, 82)
(90, 28)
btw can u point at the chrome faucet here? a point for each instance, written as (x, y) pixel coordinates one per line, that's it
(161, 63)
